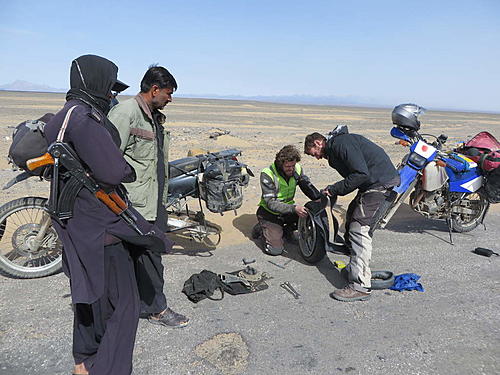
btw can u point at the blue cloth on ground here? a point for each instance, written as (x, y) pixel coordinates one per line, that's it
(407, 281)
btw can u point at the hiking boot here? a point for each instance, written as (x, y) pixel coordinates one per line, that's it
(169, 318)
(349, 294)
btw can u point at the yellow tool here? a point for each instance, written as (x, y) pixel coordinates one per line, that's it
(339, 264)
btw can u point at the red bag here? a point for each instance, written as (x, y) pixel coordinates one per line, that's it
(490, 161)
(484, 149)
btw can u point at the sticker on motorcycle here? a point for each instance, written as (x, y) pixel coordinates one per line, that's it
(425, 150)
(473, 185)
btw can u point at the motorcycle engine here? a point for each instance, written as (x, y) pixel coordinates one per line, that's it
(429, 204)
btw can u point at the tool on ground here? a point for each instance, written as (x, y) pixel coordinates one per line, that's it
(290, 289)
(229, 278)
(250, 271)
(339, 264)
(485, 252)
(247, 261)
(280, 265)
(276, 264)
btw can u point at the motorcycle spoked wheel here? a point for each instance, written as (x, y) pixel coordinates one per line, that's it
(207, 234)
(20, 222)
(465, 222)
(311, 241)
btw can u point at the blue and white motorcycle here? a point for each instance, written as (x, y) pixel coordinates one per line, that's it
(439, 185)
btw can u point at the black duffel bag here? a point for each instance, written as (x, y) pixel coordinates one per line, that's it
(203, 285)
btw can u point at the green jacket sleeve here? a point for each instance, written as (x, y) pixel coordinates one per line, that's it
(122, 120)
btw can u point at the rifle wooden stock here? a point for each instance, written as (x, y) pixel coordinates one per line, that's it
(45, 159)
(118, 200)
(105, 198)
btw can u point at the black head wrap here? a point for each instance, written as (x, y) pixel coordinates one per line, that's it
(91, 80)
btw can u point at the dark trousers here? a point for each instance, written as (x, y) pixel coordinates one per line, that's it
(274, 227)
(149, 275)
(104, 331)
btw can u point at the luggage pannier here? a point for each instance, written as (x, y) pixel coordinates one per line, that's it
(491, 188)
(28, 142)
(484, 149)
(221, 187)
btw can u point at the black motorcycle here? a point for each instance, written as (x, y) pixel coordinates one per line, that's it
(30, 247)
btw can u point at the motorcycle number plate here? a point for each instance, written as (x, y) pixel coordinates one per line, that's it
(425, 150)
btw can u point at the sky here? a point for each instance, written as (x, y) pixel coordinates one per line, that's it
(439, 54)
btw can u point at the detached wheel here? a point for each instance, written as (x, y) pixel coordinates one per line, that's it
(311, 241)
(29, 245)
(468, 213)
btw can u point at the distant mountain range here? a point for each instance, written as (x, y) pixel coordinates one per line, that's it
(296, 99)
(349, 100)
(20, 85)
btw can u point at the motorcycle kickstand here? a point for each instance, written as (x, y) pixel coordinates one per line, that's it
(448, 222)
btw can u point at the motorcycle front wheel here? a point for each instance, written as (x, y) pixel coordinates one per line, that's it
(29, 245)
(311, 241)
(468, 213)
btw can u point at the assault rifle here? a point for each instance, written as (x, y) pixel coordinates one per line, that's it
(62, 201)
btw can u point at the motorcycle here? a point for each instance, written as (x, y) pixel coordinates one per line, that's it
(31, 248)
(440, 185)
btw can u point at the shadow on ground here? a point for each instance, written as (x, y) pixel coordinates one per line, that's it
(185, 244)
(244, 223)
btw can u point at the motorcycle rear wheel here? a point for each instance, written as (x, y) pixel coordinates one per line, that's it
(311, 241)
(20, 222)
(465, 222)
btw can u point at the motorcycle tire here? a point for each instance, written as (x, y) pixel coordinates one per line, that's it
(462, 223)
(20, 222)
(382, 280)
(311, 240)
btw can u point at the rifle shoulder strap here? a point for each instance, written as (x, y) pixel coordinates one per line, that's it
(60, 135)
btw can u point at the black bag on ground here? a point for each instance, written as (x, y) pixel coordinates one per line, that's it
(491, 189)
(28, 142)
(202, 285)
(222, 185)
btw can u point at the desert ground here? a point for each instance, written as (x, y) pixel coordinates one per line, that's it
(258, 129)
(451, 328)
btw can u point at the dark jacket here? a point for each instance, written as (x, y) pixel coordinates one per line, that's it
(83, 236)
(362, 163)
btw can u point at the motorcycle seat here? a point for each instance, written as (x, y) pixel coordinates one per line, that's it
(184, 165)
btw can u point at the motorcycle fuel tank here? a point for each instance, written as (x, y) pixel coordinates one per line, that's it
(434, 177)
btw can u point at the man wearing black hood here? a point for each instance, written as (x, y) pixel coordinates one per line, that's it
(367, 168)
(97, 243)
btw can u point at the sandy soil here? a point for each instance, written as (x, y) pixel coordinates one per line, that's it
(259, 130)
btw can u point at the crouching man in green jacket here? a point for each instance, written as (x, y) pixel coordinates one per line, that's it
(277, 213)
